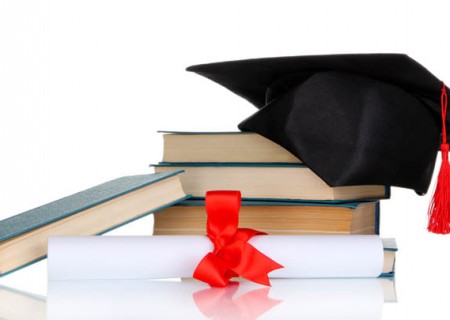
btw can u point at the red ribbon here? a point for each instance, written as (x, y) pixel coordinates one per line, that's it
(221, 303)
(232, 256)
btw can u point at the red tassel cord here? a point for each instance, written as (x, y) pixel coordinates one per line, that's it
(439, 210)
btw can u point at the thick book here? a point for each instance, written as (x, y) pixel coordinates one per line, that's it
(23, 237)
(276, 217)
(222, 147)
(266, 181)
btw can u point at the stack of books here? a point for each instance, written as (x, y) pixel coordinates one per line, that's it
(281, 195)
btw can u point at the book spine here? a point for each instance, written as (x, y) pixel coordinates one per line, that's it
(377, 218)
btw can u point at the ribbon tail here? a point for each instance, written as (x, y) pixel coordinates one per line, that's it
(256, 266)
(212, 271)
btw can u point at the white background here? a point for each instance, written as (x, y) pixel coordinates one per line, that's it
(84, 85)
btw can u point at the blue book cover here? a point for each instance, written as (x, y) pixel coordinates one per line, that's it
(34, 219)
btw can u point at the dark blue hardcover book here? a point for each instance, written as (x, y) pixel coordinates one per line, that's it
(23, 237)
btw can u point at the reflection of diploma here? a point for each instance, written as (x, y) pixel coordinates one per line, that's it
(146, 257)
(189, 299)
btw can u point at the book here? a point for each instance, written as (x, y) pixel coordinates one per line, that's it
(222, 147)
(23, 237)
(276, 217)
(266, 181)
(21, 305)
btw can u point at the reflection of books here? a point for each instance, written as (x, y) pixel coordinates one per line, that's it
(23, 238)
(154, 299)
(294, 217)
(299, 298)
(388, 287)
(20, 305)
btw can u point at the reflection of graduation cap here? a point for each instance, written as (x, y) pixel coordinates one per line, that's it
(357, 119)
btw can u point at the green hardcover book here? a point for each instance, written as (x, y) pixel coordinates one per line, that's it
(258, 181)
(23, 237)
(277, 217)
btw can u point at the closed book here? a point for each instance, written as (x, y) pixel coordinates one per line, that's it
(276, 217)
(266, 181)
(222, 147)
(23, 237)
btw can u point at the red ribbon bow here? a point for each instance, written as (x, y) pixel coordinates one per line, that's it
(232, 256)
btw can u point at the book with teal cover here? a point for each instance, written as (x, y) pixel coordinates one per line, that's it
(197, 202)
(77, 202)
(387, 189)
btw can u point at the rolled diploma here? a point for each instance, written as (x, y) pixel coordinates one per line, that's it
(159, 257)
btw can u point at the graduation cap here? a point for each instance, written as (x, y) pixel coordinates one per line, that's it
(354, 119)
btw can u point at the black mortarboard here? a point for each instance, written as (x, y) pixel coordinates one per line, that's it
(354, 119)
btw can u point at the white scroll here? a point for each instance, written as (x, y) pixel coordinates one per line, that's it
(156, 257)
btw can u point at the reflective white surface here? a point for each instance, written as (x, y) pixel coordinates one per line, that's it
(190, 299)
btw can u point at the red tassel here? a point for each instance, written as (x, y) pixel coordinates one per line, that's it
(439, 210)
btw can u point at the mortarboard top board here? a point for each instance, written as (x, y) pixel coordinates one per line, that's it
(354, 119)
